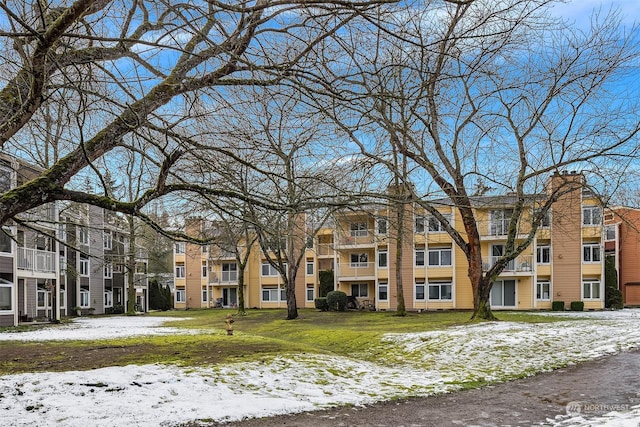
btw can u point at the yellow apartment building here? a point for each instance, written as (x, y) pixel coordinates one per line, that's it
(564, 262)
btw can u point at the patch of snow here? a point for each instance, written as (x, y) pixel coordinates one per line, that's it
(95, 328)
(414, 364)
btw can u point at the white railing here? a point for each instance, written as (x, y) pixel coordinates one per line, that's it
(36, 260)
(356, 269)
(519, 265)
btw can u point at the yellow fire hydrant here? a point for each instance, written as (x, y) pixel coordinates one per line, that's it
(229, 321)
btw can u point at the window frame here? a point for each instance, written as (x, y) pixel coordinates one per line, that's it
(358, 229)
(360, 287)
(108, 298)
(83, 235)
(310, 293)
(420, 284)
(440, 285)
(593, 249)
(180, 248)
(440, 251)
(383, 255)
(180, 271)
(362, 260)
(180, 295)
(5, 232)
(272, 272)
(588, 217)
(85, 294)
(540, 252)
(230, 270)
(419, 224)
(107, 239)
(4, 284)
(382, 285)
(384, 229)
(272, 290)
(416, 258)
(540, 290)
(310, 268)
(591, 283)
(108, 270)
(84, 266)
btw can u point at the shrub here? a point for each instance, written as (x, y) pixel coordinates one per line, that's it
(321, 304)
(612, 294)
(326, 282)
(557, 306)
(337, 301)
(577, 305)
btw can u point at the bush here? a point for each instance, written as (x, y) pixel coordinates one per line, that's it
(577, 305)
(118, 309)
(326, 282)
(612, 294)
(557, 306)
(337, 301)
(321, 304)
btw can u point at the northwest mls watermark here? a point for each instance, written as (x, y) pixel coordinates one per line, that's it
(595, 408)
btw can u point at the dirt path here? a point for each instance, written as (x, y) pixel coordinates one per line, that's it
(532, 401)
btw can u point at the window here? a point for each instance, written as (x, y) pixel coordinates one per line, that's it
(204, 269)
(383, 291)
(84, 265)
(383, 260)
(84, 297)
(271, 294)
(108, 240)
(440, 291)
(108, 270)
(591, 253)
(180, 247)
(181, 295)
(180, 271)
(381, 226)
(499, 222)
(309, 242)
(591, 215)
(5, 179)
(503, 293)
(359, 260)
(229, 272)
(269, 270)
(310, 268)
(591, 289)
(43, 298)
(439, 257)
(6, 296)
(83, 235)
(543, 254)
(310, 292)
(63, 298)
(359, 229)
(359, 290)
(610, 233)
(141, 267)
(204, 295)
(419, 223)
(108, 298)
(6, 243)
(435, 226)
(545, 221)
(543, 290)
(62, 232)
(419, 257)
(419, 288)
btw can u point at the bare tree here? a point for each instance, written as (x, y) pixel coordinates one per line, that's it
(123, 71)
(480, 93)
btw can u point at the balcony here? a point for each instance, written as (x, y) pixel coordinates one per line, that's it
(356, 270)
(36, 261)
(522, 264)
(227, 277)
(356, 239)
(324, 249)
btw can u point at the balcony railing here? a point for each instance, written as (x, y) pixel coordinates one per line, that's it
(324, 249)
(356, 269)
(521, 264)
(36, 261)
(355, 240)
(225, 277)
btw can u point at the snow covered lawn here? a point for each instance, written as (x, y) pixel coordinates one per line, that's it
(412, 364)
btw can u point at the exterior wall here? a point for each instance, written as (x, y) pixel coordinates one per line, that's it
(627, 245)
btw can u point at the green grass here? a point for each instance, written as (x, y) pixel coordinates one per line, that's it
(259, 336)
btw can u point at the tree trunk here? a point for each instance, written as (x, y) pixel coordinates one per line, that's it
(292, 307)
(131, 267)
(401, 310)
(241, 309)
